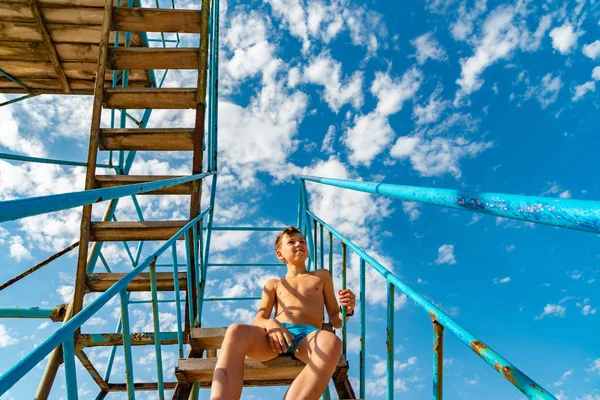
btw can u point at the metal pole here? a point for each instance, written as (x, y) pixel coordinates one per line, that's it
(127, 345)
(70, 374)
(390, 341)
(438, 360)
(156, 322)
(583, 215)
(363, 315)
(344, 341)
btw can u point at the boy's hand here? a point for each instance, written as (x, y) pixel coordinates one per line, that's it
(278, 335)
(347, 299)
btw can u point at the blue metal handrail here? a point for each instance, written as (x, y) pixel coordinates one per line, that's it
(573, 214)
(62, 334)
(583, 215)
(16, 209)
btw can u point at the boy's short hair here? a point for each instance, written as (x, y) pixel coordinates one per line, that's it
(290, 230)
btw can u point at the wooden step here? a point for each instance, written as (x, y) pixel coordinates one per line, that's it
(120, 58)
(134, 230)
(104, 181)
(156, 20)
(277, 372)
(212, 338)
(149, 98)
(100, 282)
(155, 139)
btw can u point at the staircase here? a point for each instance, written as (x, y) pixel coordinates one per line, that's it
(277, 372)
(203, 341)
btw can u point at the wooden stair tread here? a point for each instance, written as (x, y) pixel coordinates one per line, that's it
(104, 181)
(154, 139)
(100, 282)
(156, 20)
(134, 230)
(279, 371)
(178, 98)
(212, 338)
(120, 58)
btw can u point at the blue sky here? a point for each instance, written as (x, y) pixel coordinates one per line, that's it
(488, 96)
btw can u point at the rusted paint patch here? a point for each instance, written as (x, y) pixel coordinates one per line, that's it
(432, 315)
(388, 342)
(539, 389)
(507, 372)
(497, 366)
(478, 346)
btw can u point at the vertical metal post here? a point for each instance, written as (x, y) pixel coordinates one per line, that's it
(390, 341)
(344, 343)
(197, 258)
(310, 245)
(330, 253)
(127, 345)
(322, 245)
(113, 352)
(315, 266)
(363, 304)
(156, 321)
(438, 360)
(177, 300)
(70, 374)
(199, 270)
(188, 295)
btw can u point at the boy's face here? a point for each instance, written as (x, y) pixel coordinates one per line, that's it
(293, 249)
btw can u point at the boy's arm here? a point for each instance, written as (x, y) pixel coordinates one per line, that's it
(278, 334)
(265, 307)
(331, 304)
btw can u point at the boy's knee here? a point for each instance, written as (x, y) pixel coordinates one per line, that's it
(332, 344)
(237, 330)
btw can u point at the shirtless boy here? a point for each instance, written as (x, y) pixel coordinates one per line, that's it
(295, 330)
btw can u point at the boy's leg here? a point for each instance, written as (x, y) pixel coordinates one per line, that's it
(240, 341)
(321, 352)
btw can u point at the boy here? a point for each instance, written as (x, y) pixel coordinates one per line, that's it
(295, 330)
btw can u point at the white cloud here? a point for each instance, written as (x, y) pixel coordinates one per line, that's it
(66, 293)
(294, 15)
(589, 86)
(392, 93)
(428, 48)
(437, 156)
(594, 366)
(328, 140)
(5, 338)
(552, 310)
(462, 27)
(596, 74)
(588, 310)
(12, 138)
(446, 254)
(473, 381)
(325, 71)
(592, 50)
(44, 325)
(17, 250)
(549, 90)
(500, 38)
(431, 112)
(564, 38)
(565, 195)
(563, 378)
(501, 280)
(372, 133)
(411, 208)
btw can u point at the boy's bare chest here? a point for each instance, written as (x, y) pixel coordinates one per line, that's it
(300, 289)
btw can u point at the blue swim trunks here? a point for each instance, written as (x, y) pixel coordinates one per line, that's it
(299, 332)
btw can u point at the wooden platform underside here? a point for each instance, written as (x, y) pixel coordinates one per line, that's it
(72, 32)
